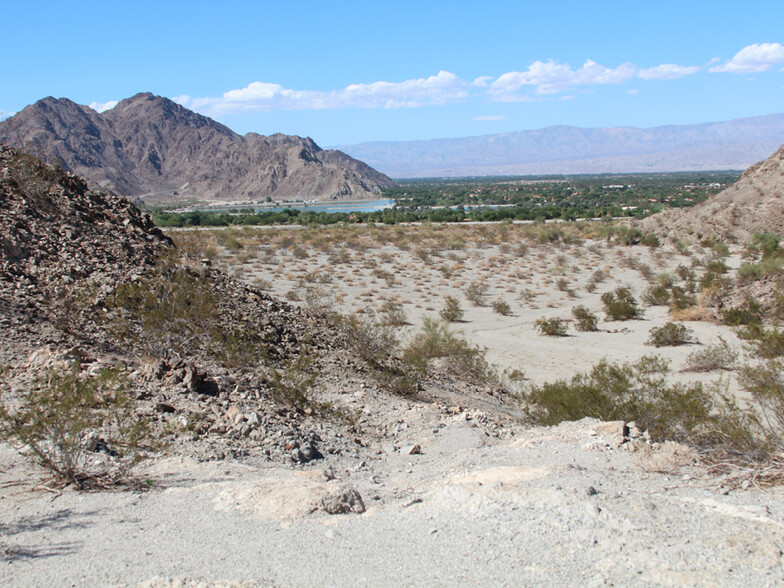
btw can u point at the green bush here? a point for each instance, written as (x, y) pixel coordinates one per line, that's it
(764, 343)
(376, 343)
(586, 320)
(83, 430)
(650, 240)
(393, 314)
(476, 292)
(765, 382)
(681, 299)
(639, 392)
(502, 307)
(719, 356)
(451, 312)
(750, 312)
(670, 335)
(436, 341)
(620, 305)
(656, 295)
(552, 327)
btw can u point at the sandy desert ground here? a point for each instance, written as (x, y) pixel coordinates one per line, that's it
(454, 492)
(416, 268)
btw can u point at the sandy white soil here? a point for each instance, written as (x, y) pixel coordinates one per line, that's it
(483, 500)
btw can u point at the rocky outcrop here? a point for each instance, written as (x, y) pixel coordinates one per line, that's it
(755, 203)
(150, 146)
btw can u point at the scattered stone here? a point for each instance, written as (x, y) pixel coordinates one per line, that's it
(343, 501)
(414, 450)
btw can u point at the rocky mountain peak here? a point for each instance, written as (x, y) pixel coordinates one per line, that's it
(150, 146)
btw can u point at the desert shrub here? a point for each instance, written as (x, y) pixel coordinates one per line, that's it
(685, 273)
(682, 247)
(628, 236)
(762, 342)
(502, 307)
(765, 244)
(681, 299)
(172, 310)
(596, 278)
(749, 272)
(373, 341)
(765, 382)
(476, 292)
(376, 343)
(563, 285)
(393, 314)
(552, 327)
(718, 356)
(435, 341)
(670, 335)
(292, 385)
(639, 392)
(586, 320)
(451, 312)
(446, 271)
(650, 240)
(620, 305)
(656, 295)
(83, 430)
(749, 312)
(719, 248)
(716, 266)
(317, 300)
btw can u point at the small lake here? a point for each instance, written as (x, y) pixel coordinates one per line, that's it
(333, 206)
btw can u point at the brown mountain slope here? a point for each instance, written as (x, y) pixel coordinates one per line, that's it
(151, 146)
(755, 203)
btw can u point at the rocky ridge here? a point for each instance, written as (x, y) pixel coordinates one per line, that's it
(63, 251)
(755, 203)
(151, 147)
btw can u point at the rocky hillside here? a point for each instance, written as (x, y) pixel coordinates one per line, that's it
(87, 277)
(152, 147)
(755, 203)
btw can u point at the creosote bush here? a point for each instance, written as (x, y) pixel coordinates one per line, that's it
(81, 429)
(620, 305)
(502, 307)
(707, 419)
(586, 320)
(670, 335)
(451, 312)
(435, 341)
(172, 310)
(718, 356)
(476, 292)
(552, 327)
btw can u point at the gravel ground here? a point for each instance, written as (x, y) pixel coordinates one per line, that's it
(540, 507)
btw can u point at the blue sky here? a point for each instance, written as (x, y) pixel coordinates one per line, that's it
(344, 72)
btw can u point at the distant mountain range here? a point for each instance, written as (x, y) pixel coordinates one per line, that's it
(734, 144)
(148, 146)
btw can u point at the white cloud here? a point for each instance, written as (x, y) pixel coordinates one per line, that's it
(490, 117)
(103, 106)
(263, 96)
(552, 78)
(667, 71)
(482, 81)
(754, 58)
(632, 91)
